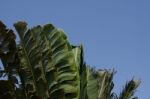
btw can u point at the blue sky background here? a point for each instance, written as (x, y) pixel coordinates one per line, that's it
(114, 33)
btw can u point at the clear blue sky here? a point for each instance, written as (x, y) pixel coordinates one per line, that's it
(114, 33)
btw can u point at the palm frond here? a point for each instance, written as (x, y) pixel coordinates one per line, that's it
(48, 55)
(66, 79)
(31, 68)
(99, 83)
(9, 58)
(129, 89)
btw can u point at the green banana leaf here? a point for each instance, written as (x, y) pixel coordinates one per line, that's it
(44, 65)
(49, 60)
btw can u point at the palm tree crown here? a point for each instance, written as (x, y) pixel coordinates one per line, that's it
(44, 65)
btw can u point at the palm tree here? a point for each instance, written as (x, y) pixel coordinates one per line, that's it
(44, 65)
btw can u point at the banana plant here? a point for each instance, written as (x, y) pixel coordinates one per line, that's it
(44, 65)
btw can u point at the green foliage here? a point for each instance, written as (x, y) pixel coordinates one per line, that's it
(129, 89)
(49, 67)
